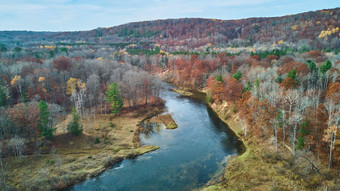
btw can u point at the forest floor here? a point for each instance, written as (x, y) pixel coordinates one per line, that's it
(106, 140)
(263, 168)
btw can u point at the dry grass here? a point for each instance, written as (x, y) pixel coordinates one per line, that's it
(183, 92)
(73, 159)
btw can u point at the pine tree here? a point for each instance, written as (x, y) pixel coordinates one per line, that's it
(113, 96)
(3, 97)
(74, 127)
(237, 75)
(325, 66)
(43, 122)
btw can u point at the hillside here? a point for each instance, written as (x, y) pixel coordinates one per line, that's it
(315, 29)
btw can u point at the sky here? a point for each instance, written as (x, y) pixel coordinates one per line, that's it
(76, 15)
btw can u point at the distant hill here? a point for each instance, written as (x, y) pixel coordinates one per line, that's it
(317, 29)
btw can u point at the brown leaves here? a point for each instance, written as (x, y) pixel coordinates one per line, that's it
(301, 69)
(233, 90)
(333, 92)
(62, 63)
(288, 83)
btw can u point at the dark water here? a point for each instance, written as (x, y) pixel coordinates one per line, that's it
(188, 158)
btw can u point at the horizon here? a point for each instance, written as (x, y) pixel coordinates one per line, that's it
(77, 15)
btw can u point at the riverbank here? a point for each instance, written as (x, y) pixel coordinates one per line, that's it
(261, 167)
(166, 119)
(106, 140)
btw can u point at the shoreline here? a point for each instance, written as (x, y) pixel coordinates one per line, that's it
(76, 159)
(259, 166)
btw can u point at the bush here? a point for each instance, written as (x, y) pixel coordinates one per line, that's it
(97, 141)
(112, 125)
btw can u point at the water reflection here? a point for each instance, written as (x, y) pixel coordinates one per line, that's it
(150, 128)
(188, 158)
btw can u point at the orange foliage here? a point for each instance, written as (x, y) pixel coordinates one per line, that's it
(216, 88)
(233, 90)
(333, 92)
(315, 55)
(263, 113)
(288, 83)
(301, 69)
(255, 57)
(272, 57)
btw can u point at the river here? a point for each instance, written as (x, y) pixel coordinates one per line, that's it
(188, 158)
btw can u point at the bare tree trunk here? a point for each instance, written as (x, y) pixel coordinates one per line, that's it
(105, 109)
(330, 152)
(294, 137)
(276, 140)
(101, 106)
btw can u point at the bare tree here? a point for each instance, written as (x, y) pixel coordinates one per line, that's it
(295, 120)
(17, 145)
(333, 123)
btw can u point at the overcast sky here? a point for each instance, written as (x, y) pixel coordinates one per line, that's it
(73, 15)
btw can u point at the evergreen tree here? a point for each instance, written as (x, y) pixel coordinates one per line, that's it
(325, 66)
(219, 78)
(43, 123)
(74, 127)
(292, 74)
(3, 97)
(312, 66)
(237, 75)
(113, 96)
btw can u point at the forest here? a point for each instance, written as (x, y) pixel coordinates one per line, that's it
(280, 76)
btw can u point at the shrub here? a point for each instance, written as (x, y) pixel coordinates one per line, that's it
(112, 125)
(97, 141)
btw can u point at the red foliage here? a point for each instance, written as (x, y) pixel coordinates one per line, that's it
(62, 63)
(26, 117)
(233, 90)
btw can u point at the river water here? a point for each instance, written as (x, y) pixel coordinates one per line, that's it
(189, 156)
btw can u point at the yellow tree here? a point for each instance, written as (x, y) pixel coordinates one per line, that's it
(76, 89)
